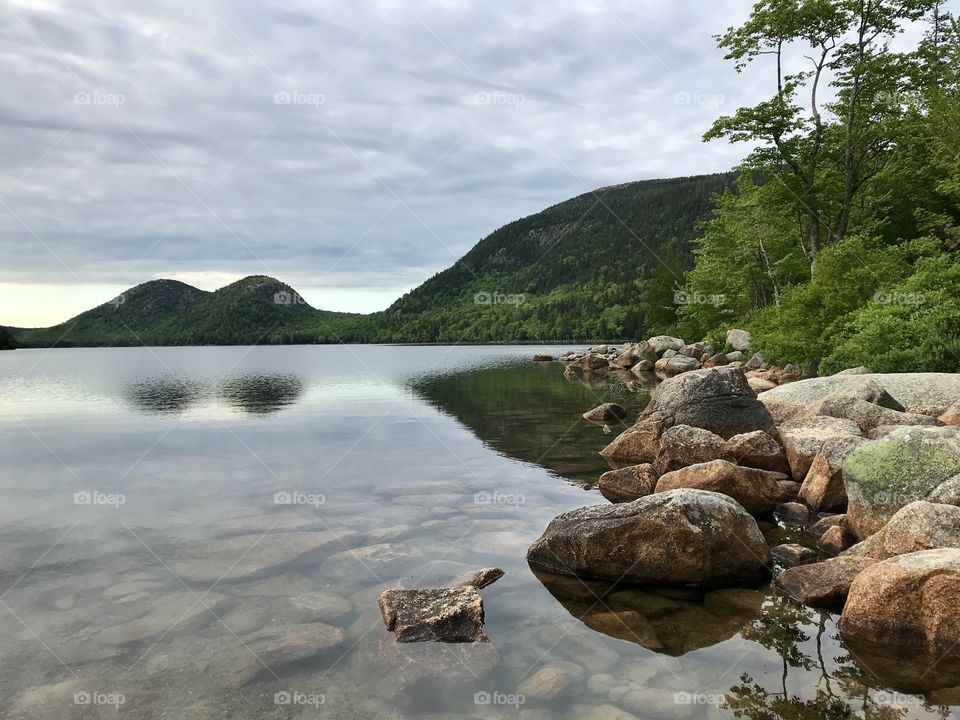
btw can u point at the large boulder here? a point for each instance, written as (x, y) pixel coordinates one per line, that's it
(823, 584)
(919, 526)
(628, 484)
(715, 399)
(822, 489)
(805, 437)
(881, 476)
(683, 537)
(756, 449)
(868, 405)
(739, 339)
(908, 601)
(916, 392)
(683, 445)
(640, 443)
(661, 343)
(756, 490)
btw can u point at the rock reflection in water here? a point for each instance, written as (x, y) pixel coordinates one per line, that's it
(260, 393)
(166, 394)
(670, 621)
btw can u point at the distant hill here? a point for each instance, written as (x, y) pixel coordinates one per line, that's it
(575, 271)
(587, 268)
(6, 339)
(254, 310)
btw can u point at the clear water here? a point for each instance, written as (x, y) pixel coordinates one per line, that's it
(153, 568)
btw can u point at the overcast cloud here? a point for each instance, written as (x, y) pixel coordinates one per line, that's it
(351, 149)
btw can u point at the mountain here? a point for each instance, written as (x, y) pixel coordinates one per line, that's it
(254, 310)
(575, 271)
(598, 266)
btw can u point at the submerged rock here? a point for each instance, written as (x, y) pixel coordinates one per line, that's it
(628, 484)
(682, 537)
(908, 601)
(285, 645)
(756, 490)
(881, 476)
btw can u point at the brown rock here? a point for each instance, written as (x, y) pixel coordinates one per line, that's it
(823, 584)
(788, 490)
(836, 539)
(803, 438)
(756, 490)
(952, 415)
(919, 526)
(682, 445)
(759, 384)
(756, 449)
(641, 442)
(792, 512)
(791, 555)
(428, 614)
(683, 537)
(606, 413)
(543, 357)
(546, 683)
(480, 578)
(818, 528)
(628, 484)
(908, 601)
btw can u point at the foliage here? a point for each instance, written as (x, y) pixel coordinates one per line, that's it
(6, 340)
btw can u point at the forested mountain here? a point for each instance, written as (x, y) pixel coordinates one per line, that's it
(583, 269)
(254, 310)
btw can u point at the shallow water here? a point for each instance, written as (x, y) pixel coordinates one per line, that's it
(178, 524)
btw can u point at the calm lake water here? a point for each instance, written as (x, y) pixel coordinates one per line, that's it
(183, 529)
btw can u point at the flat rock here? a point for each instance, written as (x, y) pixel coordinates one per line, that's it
(681, 537)
(178, 611)
(628, 484)
(823, 584)
(453, 614)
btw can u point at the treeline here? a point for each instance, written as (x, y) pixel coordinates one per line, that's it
(840, 242)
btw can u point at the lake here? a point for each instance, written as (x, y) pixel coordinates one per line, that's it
(204, 532)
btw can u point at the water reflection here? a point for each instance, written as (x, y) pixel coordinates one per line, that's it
(530, 412)
(262, 393)
(252, 393)
(165, 394)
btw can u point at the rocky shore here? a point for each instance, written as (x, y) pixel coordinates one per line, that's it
(865, 467)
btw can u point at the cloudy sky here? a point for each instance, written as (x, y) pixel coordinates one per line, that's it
(352, 149)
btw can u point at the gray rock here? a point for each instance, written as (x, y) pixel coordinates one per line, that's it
(916, 392)
(881, 476)
(480, 579)
(683, 537)
(715, 399)
(676, 364)
(661, 343)
(754, 363)
(453, 614)
(860, 370)
(739, 339)
(276, 648)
